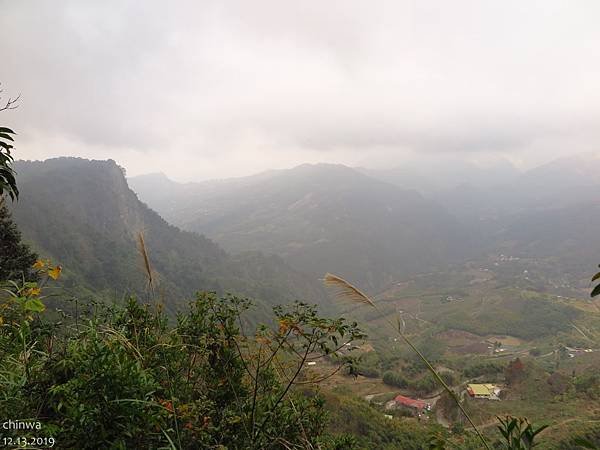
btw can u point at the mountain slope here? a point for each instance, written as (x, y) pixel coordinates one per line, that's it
(83, 214)
(323, 218)
(566, 235)
(559, 183)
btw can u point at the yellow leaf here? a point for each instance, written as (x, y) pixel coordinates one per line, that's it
(39, 264)
(33, 292)
(1, 321)
(55, 272)
(283, 326)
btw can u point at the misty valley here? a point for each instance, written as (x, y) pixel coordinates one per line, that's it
(496, 299)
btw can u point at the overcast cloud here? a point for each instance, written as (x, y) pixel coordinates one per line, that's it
(205, 89)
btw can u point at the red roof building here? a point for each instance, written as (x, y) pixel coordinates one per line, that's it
(411, 402)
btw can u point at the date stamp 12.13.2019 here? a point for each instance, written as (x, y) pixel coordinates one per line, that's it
(24, 434)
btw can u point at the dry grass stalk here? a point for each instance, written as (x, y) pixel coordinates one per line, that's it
(345, 290)
(146, 260)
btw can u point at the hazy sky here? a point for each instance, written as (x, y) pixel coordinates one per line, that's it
(205, 89)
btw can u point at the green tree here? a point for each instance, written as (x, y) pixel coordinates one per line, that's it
(16, 258)
(596, 290)
(8, 183)
(129, 379)
(395, 379)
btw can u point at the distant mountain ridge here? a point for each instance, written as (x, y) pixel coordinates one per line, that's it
(320, 218)
(432, 177)
(83, 214)
(361, 224)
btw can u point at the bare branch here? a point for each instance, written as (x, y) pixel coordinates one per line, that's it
(11, 103)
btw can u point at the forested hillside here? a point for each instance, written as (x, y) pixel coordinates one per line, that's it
(83, 215)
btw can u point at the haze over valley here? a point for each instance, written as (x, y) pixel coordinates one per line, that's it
(279, 225)
(377, 227)
(477, 272)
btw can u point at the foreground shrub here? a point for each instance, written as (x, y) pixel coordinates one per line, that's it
(125, 378)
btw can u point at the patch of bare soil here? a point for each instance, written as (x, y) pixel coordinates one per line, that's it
(458, 338)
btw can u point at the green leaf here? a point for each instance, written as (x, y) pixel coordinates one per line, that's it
(34, 305)
(595, 277)
(6, 136)
(6, 130)
(596, 291)
(511, 426)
